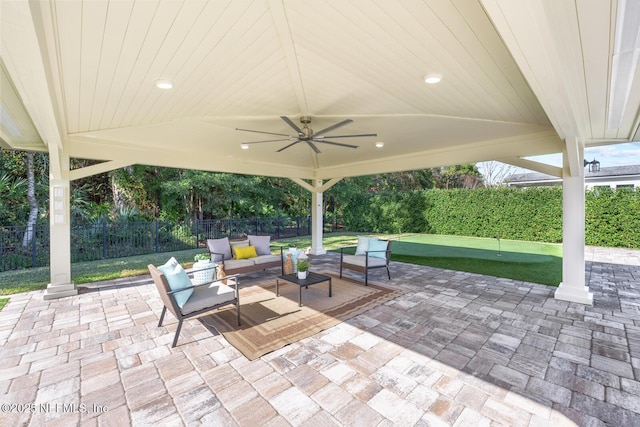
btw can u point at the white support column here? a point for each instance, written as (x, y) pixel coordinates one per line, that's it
(317, 219)
(60, 231)
(317, 189)
(573, 286)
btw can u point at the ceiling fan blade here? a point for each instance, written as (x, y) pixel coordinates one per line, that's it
(351, 136)
(293, 125)
(336, 126)
(324, 141)
(266, 140)
(313, 147)
(266, 133)
(292, 144)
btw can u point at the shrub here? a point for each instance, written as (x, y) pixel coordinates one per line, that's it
(534, 214)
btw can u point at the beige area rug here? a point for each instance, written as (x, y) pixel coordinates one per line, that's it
(270, 322)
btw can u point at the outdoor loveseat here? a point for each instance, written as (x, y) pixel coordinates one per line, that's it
(244, 256)
(370, 253)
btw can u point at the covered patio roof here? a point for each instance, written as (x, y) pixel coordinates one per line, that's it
(518, 79)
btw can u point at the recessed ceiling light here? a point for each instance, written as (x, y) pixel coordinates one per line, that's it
(379, 144)
(244, 146)
(432, 78)
(164, 84)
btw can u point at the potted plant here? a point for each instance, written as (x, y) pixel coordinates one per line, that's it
(303, 267)
(203, 268)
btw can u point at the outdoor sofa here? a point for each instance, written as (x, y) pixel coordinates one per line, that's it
(245, 256)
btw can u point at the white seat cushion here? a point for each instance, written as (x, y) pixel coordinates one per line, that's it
(263, 259)
(238, 263)
(360, 260)
(208, 296)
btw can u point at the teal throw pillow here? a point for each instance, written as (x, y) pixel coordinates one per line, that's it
(377, 245)
(177, 279)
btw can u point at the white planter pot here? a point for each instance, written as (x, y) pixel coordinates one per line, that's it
(203, 272)
(302, 274)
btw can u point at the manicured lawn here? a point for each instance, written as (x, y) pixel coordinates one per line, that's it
(512, 259)
(3, 302)
(12, 282)
(526, 261)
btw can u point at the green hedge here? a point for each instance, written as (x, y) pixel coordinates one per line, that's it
(613, 217)
(534, 214)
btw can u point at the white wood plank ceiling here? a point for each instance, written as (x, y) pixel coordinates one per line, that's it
(516, 80)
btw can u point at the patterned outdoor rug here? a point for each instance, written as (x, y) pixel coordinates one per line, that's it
(270, 322)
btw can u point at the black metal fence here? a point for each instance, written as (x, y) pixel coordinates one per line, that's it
(105, 240)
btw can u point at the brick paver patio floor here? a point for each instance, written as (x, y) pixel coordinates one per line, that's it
(455, 349)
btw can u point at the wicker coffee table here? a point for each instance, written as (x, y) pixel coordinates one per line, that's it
(312, 279)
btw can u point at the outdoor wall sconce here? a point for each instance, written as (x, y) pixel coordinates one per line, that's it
(594, 166)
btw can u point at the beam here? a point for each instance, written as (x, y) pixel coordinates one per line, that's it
(533, 165)
(304, 184)
(281, 22)
(107, 150)
(525, 145)
(530, 31)
(327, 185)
(96, 169)
(21, 56)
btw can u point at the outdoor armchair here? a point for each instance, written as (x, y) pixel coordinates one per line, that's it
(370, 253)
(184, 300)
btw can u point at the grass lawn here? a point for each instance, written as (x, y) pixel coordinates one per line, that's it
(513, 259)
(32, 279)
(527, 261)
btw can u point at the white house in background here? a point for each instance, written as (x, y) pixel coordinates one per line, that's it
(613, 176)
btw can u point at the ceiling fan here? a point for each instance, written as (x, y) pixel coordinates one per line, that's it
(306, 134)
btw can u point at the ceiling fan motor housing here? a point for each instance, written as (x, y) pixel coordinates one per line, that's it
(307, 132)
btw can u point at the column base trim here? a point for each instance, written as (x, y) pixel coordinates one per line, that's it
(581, 295)
(60, 291)
(317, 251)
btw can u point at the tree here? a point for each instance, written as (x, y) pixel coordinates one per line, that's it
(33, 203)
(14, 204)
(494, 173)
(458, 176)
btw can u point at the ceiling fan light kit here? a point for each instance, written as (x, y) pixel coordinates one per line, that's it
(307, 135)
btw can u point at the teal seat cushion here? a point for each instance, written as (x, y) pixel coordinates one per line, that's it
(177, 279)
(380, 248)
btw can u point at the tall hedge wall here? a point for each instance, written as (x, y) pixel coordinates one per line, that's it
(534, 214)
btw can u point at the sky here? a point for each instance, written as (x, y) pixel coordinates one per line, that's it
(608, 155)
